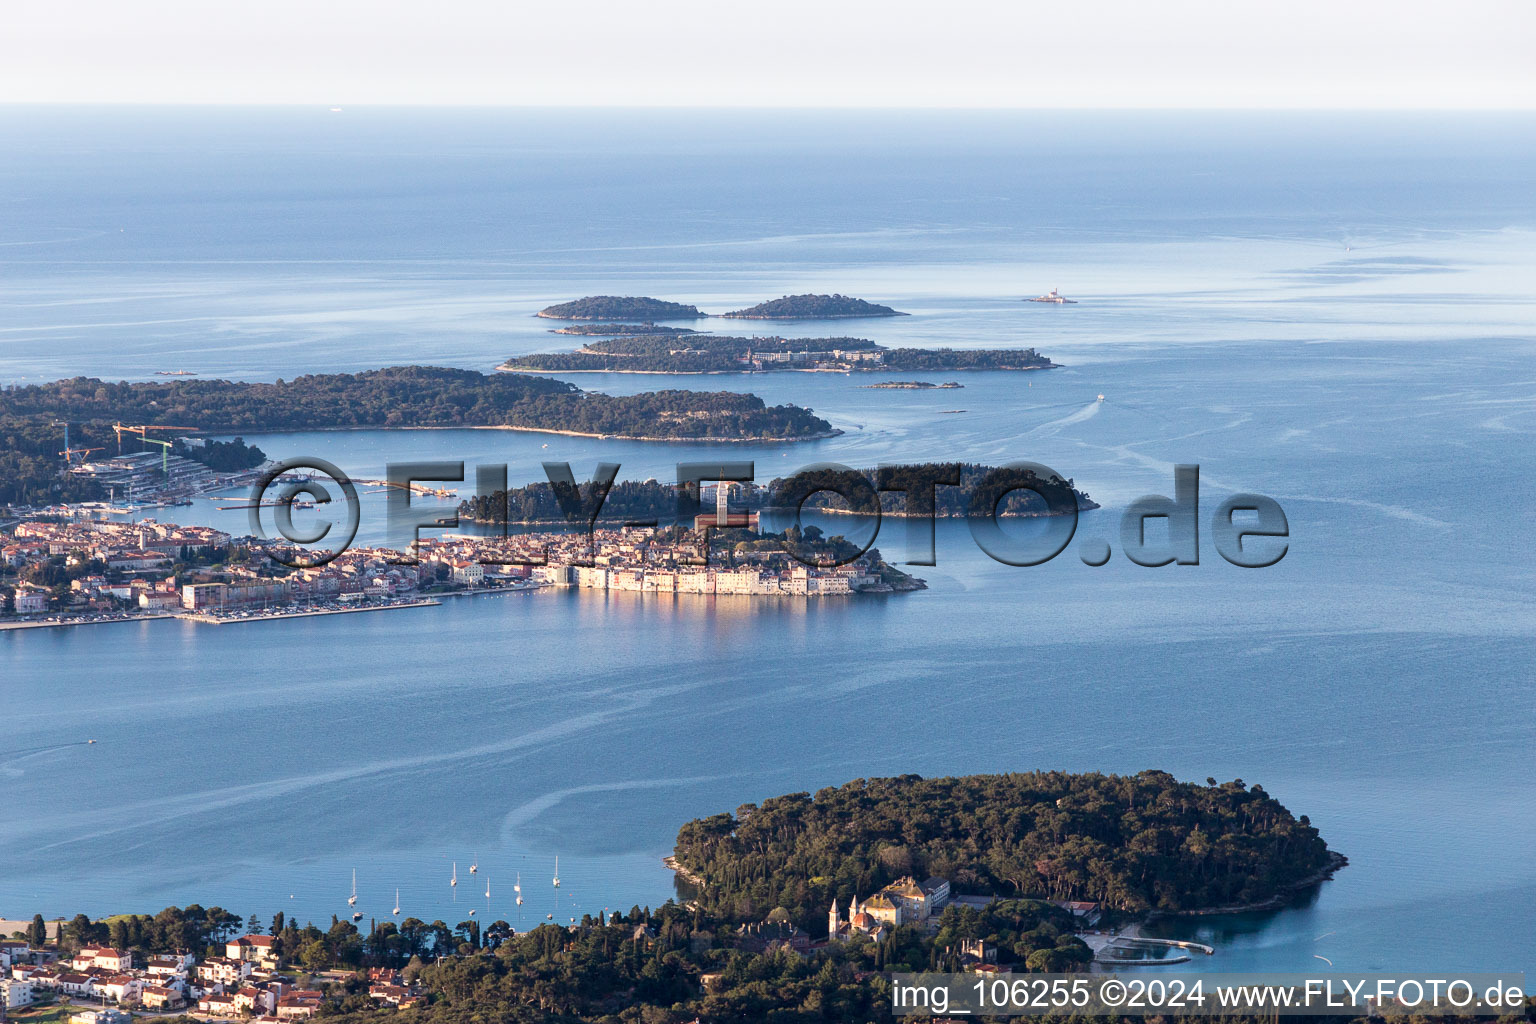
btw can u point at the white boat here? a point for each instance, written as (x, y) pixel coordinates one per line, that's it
(1101, 398)
(518, 888)
(487, 888)
(454, 881)
(397, 902)
(557, 872)
(352, 900)
(475, 867)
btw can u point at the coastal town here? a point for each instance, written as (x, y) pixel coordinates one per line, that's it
(54, 971)
(243, 978)
(253, 977)
(57, 570)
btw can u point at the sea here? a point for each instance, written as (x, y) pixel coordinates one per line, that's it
(1336, 311)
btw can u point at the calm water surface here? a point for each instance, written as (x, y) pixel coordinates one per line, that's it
(1335, 313)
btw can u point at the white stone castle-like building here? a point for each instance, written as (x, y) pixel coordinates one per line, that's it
(904, 901)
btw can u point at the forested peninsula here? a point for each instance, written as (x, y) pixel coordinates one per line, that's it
(411, 396)
(708, 353)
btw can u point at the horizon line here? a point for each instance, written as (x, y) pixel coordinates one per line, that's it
(333, 105)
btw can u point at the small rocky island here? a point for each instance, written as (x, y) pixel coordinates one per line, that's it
(620, 307)
(914, 385)
(813, 307)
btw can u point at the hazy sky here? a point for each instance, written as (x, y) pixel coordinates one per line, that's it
(982, 53)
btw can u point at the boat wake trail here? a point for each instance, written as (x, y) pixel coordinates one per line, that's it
(10, 757)
(1055, 427)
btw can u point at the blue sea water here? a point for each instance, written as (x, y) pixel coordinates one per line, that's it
(1336, 311)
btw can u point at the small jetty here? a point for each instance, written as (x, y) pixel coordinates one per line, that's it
(1132, 949)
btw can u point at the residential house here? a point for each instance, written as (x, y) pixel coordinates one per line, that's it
(103, 958)
(118, 988)
(156, 997)
(215, 1005)
(299, 1004)
(254, 948)
(101, 1017)
(222, 972)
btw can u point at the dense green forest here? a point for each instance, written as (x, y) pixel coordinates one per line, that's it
(31, 466)
(409, 396)
(965, 359)
(1133, 843)
(620, 307)
(639, 965)
(949, 501)
(812, 307)
(636, 501)
(627, 501)
(708, 353)
(222, 456)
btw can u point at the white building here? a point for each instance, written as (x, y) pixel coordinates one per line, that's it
(591, 577)
(103, 958)
(17, 993)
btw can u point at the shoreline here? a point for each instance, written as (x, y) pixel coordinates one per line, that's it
(1087, 506)
(5, 626)
(214, 620)
(781, 509)
(823, 316)
(504, 368)
(1336, 860)
(819, 436)
(676, 868)
(621, 319)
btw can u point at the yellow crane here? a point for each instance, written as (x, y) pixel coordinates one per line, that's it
(143, 431)
(70, 453)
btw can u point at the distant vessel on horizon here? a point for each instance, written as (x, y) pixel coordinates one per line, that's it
(1054, 296)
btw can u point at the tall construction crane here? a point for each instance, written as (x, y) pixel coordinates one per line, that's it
(165, 453)
(70, 453)
(143, 431)
(70, 450)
